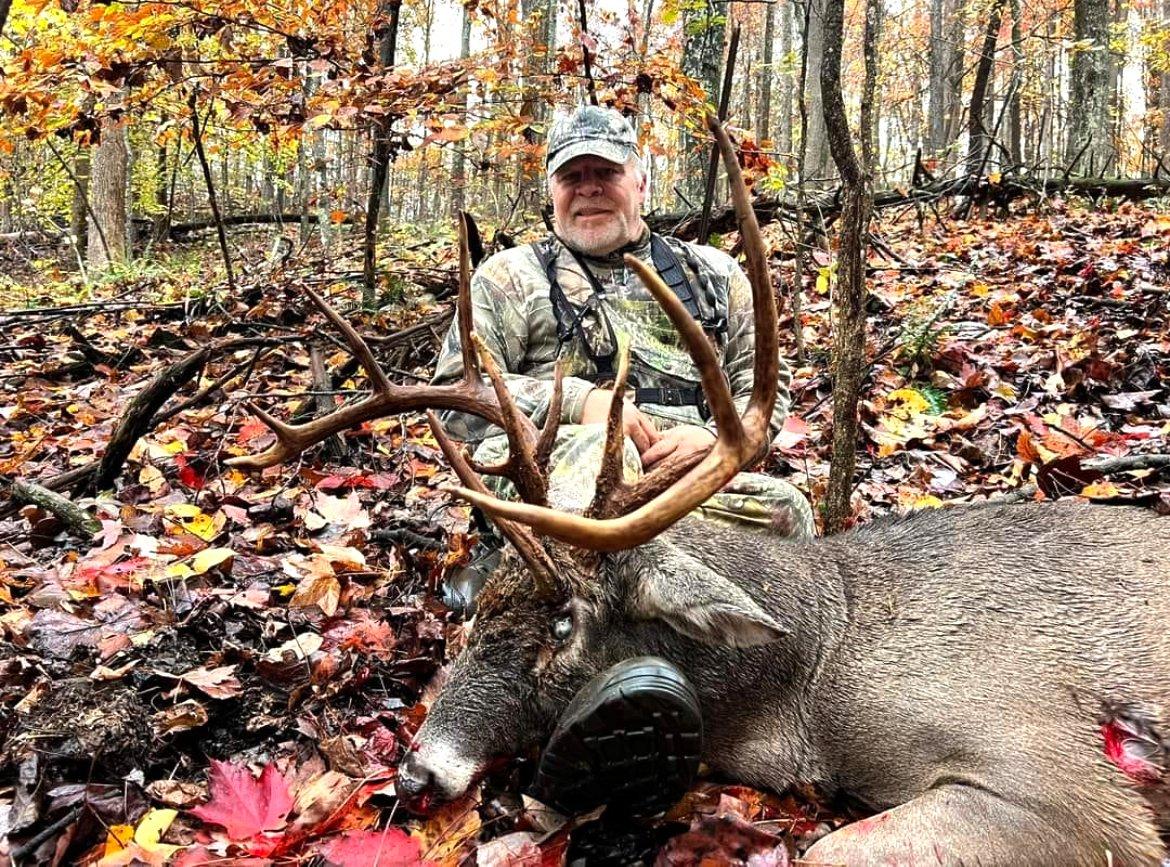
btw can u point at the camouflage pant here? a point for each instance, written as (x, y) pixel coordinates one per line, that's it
(749, 498)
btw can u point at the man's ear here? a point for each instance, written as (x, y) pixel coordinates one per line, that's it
(699, 602)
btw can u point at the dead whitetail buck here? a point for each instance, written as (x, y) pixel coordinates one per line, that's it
(996, 679)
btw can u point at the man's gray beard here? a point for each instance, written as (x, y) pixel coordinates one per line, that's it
(592, 244)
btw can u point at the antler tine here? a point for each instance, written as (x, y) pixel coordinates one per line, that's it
(522, 539)
(552, 421)
(463, 303)
(766, 365)
(609, 476)
(469, 395)
(739, 442)
(521, 465)
(361, 350)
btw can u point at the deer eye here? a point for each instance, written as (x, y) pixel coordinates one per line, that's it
(562, 627)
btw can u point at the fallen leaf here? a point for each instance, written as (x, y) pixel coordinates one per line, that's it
(218, 682)
(391, 847)
(724, 839)
(186, 715)
(243, 805)
(176, 793)
(451, 831)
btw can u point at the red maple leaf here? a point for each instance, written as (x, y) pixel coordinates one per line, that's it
(392, 847)
(244, 805)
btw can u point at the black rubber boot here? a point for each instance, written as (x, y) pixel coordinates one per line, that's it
(631, 738)
(462, 585)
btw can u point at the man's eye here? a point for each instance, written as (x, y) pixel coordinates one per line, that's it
(562, 628)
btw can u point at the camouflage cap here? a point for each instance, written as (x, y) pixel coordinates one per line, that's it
(600, 132)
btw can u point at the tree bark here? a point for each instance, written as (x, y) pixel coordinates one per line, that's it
(978, 135)
(787, 78)
(1089, 127)
(767, 73)
(220, 232)
(936, 97)
(108, 232)
(848, 302)
(1015, 126)
(459, 160)
(818, 158)
(702, 60)
(1164, 101)
(379, 159)
(78, 216)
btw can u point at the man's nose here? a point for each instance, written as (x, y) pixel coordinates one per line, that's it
(590, 184)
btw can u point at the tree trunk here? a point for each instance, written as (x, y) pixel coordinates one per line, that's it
(955, 28)
(767, 73)
(1090, 141)
(787, 78)
(1164, 101)
(936, 97)
(1015, 127)
(818, 159)
(78, 218)
(534, 32)
(380, 157)
(978, 134)
(848, 303)
(459, 159)
(108, 237)
(702, 60)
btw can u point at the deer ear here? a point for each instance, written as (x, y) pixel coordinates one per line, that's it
(699, 602)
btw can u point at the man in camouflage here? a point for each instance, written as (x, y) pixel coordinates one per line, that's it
(597, 304)
(622, 740)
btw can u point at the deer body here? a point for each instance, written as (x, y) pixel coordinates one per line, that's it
(981, 647)
(955, 669)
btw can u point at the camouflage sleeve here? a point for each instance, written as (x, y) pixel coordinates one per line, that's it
(500, 317)
(739, 353)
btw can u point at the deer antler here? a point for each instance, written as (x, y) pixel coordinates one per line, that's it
(529, 449)
(663, 497)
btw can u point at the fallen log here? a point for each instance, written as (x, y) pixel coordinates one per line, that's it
(138, 417)
(828, 205)
(75, 518)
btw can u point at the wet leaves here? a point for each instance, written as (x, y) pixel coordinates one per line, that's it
(284, 621)
(244, 805)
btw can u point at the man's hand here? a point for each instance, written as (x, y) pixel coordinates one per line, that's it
(635, 423)
(679, 441)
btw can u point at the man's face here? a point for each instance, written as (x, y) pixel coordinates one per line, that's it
(597, 204)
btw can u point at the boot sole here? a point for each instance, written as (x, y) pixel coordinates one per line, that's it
(631, 738)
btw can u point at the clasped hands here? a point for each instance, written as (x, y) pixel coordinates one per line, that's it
(653, 445)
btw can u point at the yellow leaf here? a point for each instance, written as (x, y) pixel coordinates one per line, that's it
(191, 519)
(179, 570)
(1102, 490)
(907, 402)
(153, 825)
(911, 500)
(450, 833)
(824, 277)
(209, 558)
(118, 838)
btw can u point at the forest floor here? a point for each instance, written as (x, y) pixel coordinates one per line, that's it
(283, 624)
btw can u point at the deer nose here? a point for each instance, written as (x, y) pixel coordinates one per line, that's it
(415, 779)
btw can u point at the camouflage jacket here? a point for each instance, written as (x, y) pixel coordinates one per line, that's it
(513, 314)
